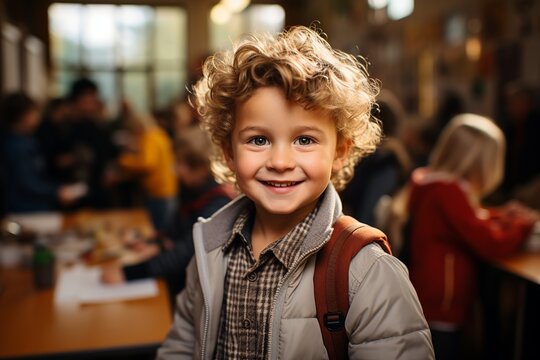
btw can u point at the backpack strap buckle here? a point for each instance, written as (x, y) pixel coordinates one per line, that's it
(334, 321)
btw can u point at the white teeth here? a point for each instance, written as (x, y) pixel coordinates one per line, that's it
(281, 184)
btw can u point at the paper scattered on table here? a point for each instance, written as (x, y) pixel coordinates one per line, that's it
(82, 284)
(40, 222)
(533, 242)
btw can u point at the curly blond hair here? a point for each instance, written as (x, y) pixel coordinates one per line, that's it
(309, 71)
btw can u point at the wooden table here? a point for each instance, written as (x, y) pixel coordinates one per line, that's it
(117, 219)
(31, 324)
(525, 266)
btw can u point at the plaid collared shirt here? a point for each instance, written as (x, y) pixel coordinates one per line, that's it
(250, 287)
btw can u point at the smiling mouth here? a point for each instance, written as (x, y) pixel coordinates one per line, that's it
(281, 184)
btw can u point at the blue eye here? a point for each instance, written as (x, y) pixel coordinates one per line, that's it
(304, 140)
(258, 140)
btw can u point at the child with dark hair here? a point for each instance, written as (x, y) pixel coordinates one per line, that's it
(200, 196)
(25, 182)
(383, 172)
(92, 136)
(55, 138)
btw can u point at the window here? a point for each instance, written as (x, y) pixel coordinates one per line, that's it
(137, 53)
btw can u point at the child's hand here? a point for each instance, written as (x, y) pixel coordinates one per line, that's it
(517, 209)
(111, 273)
(67, 194)
(144, 250)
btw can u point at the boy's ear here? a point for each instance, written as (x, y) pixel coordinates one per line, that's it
(228, 155)
(342, 154)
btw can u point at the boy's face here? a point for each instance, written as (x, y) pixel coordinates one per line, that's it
(283, 155)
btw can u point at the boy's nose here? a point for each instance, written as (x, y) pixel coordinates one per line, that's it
(281, 158)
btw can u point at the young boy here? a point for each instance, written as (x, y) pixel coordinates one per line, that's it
(291, 116)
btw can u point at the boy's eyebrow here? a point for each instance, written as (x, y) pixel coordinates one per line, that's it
(309, 128)
(252, 128)
(298, 129)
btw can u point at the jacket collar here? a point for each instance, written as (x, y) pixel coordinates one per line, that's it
(217, 229)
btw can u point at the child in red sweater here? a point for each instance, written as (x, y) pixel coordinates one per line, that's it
(448, 228)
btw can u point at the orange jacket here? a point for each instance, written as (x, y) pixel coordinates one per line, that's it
(155, 162)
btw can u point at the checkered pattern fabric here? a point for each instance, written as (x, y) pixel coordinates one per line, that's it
(250, 287)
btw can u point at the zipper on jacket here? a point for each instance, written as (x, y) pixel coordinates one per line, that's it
(449, 260)
(207, 317)
(202, 265)
(297, 263)
(206, 326)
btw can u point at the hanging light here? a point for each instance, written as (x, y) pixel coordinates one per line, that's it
(377, 4)
(398, 9)
(220, 14)
(473, 48)
(235, 6)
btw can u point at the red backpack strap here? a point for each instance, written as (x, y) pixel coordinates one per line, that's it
(331, 279)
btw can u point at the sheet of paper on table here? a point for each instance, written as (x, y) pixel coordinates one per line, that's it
(533, 242)
(82, 284)
(40, 222)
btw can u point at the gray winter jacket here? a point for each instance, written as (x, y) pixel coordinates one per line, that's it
(385, 319)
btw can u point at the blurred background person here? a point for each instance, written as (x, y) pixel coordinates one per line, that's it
(521, 126)
(384, 171)
(451, 104)
(419, 136)
(149, 158)
(201, 196)
(183, 117)
(26, 185)
(448, 230)
(176, 117)
(92, 138)
(55, 138)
